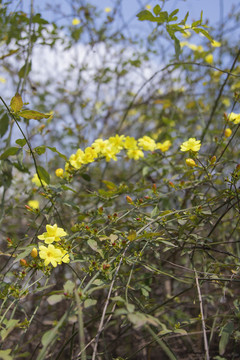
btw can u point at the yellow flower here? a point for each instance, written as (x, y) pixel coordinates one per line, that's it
(135, 153)
(50, 254)
(227, 132)
(75, 21)
(34, 253)
(117, 141)
(59, 172)
(37, 182)
(108, 9)
(2, 80)
(34, 204)
(148, 7)
(54, 233)
(215, 43)
(130, 143)
(146, 143)
(190, 162)
(65, 257)
(76, 160)
(163, 146)
(235, 118)
(191, 144)
(209, 58)
(89, 156)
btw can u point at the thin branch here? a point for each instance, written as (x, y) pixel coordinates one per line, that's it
(202, 318)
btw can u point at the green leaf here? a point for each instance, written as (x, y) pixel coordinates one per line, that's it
(172, 16)
(40, 149)
(32, 114)
(137, 319)
(68, 287)
(25, 69)
(89, 302)
(53, 149)
(4, 123)
(5, 354)
(145, 15)
(154, 212)
(54, 299)
(204, 33)
(157, 10)
(9, 152)
(10, 326)
(93, 244)
(225, 334)
(16, 103)
(20, 142)
(43, 174)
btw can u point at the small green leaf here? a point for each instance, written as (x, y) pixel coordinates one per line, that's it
(53, 149)
(9, 152)
(89, 302)
(157, 10)
(32, 114)
(20, 142)
(226, 331)
(16, 103)
(5, 354)
(25, 69)
(145, 15)
(43, 174)
(54, 299)
(4, 123)
(93, 244)
(68, 287)
(40, 149)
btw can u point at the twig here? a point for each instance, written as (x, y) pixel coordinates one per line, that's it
(202, 318)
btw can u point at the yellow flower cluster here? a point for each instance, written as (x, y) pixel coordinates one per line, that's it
(53, 254)
(111, 147)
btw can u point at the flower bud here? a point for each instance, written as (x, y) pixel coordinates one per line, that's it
(59, 172)
(34, 253)
(227, 132)
(129, 199)
(23, 262)
(190, 162)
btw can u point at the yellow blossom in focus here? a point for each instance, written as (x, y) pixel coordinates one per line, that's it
(108, 9)
(76, 160)
(117, 141)
(59, 172)
(54, 233)
(190, 162)
(235, 118)
(89, 156)
(146, 143)
(227, 132)
(191, 144)
(135, 153)
(209, 58)
(216, 43)
(37, 182)
(51, 255)
(34, 253)
(75, 21)
(100, 146)
(130, 143)
(163, 146)
(34, 204)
